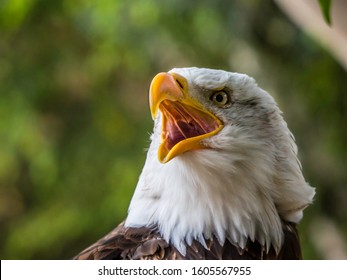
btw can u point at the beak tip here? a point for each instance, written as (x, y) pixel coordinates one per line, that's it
(154, 110)
(153, 116)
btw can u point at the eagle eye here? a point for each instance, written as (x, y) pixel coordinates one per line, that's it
(220, 98)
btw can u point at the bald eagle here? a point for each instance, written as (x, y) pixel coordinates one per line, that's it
(221, 179)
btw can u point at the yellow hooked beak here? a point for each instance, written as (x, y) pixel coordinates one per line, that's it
(185, 122)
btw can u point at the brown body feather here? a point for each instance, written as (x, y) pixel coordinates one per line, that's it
(145, 243)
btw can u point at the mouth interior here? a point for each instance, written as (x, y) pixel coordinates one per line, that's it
(182, 121)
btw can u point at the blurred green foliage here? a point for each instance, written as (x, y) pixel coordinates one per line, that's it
(325, 6)
(74, 119)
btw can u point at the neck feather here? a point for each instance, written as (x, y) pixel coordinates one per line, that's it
(211, 196)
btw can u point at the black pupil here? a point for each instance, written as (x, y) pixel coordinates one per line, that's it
(219, 98)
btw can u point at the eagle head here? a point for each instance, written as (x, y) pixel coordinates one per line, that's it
(222, 162)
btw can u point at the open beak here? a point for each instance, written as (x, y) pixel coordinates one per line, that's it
(185, 122)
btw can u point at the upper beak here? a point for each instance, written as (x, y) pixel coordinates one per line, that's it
(163, 87)
(185, 122)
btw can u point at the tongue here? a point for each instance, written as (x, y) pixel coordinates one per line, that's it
(180, 130)
(183, 121)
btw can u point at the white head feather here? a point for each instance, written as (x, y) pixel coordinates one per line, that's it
(238, 189)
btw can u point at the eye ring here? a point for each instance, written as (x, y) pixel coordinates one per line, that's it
(220, 98)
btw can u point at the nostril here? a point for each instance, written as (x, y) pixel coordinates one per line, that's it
(179, 83)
